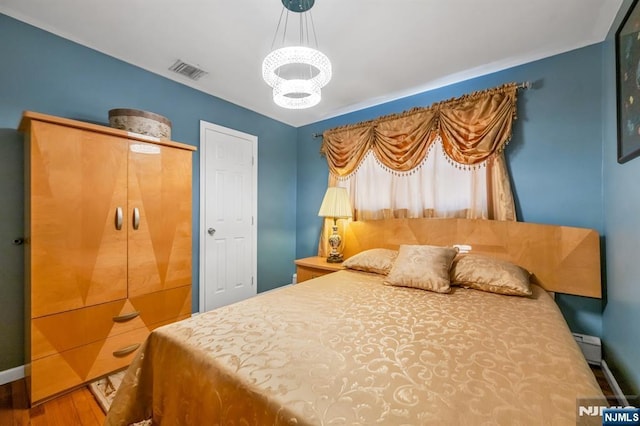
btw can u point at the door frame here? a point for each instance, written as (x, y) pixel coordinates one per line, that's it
(204, 126)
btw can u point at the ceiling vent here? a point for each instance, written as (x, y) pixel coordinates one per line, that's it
(188, 70)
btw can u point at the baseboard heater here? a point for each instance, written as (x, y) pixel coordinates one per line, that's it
(591, 347)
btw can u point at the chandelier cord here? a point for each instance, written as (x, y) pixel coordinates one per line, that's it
(301, 30)
(315, 38)
(273, 43)
(284, 33)
(286, 25)
(309, 39)
(313, 30)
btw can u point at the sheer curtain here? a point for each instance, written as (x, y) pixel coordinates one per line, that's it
(445, 160)
(435, 188)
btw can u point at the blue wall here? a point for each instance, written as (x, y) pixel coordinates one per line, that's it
(555, 155)
(621, 318)
(45, 73)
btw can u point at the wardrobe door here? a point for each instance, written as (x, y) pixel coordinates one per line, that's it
(160, 225)
(77, 182)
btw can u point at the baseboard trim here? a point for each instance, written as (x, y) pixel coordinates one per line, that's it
(615, 387)
(11, 375)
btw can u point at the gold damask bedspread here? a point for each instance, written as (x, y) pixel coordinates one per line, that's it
(346, 349)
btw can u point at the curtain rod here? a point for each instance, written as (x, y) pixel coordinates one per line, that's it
(524, 86)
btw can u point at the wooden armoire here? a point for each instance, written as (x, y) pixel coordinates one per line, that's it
(108, 247)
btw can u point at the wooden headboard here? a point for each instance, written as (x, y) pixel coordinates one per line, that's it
(562, 259)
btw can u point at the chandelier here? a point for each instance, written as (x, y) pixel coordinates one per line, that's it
(296, 73)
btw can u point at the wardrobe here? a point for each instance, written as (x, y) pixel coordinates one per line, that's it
(108, 247)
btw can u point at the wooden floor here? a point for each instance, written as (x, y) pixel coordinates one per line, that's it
(80, 407)
(76, 408)
(602, 381)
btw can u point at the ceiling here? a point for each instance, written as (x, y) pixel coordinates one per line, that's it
(380, 49)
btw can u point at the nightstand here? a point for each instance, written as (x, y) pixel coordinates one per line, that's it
(313, 267)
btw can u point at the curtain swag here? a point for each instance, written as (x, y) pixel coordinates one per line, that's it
(473, 129)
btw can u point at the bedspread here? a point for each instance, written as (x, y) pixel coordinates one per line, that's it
(346, 349)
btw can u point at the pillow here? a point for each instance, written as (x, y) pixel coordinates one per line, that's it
(424, 267)
(378, 260)
(490, 274)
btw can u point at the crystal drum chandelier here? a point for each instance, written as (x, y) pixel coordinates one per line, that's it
(296, 73)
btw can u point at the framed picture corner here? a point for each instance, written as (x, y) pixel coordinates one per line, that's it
(627, 41)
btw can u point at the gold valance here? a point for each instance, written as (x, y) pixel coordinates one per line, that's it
(473, 128)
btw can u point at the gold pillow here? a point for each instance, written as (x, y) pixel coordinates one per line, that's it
(490, 274)
(424, 267)
(378, 260)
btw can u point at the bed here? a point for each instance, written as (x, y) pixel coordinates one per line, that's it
(347, 348)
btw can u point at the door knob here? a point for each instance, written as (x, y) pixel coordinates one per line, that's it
(211, 231)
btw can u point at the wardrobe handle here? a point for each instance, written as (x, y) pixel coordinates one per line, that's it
(126, 351)
(136, 218)
(119, 218)
(126, 317)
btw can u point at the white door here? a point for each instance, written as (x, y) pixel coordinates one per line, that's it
(228, 216)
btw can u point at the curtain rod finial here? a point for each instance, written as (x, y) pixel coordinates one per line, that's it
(531, 84)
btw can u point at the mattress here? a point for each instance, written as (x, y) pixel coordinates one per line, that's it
(347, 349)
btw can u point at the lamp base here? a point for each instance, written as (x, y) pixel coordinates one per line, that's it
(334, 242)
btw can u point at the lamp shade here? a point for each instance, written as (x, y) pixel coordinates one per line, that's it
(335, 203)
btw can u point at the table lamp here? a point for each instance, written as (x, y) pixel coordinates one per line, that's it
(335, 205)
